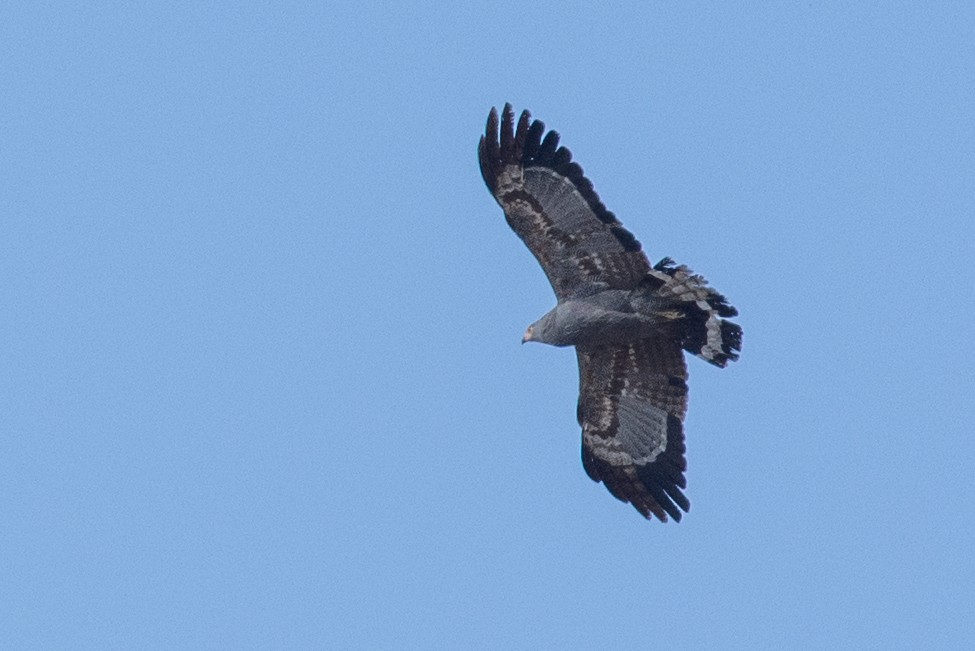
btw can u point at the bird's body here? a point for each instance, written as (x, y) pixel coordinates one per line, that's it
(612, 315)
(628, 321)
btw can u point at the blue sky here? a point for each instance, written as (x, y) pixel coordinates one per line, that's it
(262, 385)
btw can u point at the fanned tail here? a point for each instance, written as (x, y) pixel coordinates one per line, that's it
(698, 310)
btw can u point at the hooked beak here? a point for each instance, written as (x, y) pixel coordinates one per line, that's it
(528, 335)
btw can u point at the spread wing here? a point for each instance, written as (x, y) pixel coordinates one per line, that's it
(632, 400)
(553, 208)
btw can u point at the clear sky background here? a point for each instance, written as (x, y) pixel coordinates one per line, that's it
(261, 380)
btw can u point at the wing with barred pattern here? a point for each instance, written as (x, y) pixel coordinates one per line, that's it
(632, 401)
(552, 206)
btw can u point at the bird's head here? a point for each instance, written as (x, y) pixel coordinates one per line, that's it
(548, 330)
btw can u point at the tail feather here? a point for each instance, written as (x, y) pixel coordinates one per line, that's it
(703, 330)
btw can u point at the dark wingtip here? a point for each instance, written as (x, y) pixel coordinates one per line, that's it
(521, 135)
(507, 128)
(500, 145)
(492, 125)
(489, 151)
(666, 493)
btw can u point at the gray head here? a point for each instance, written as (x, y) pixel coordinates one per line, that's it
(554, 328)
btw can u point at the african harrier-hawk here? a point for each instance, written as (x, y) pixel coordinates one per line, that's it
(628, 321)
